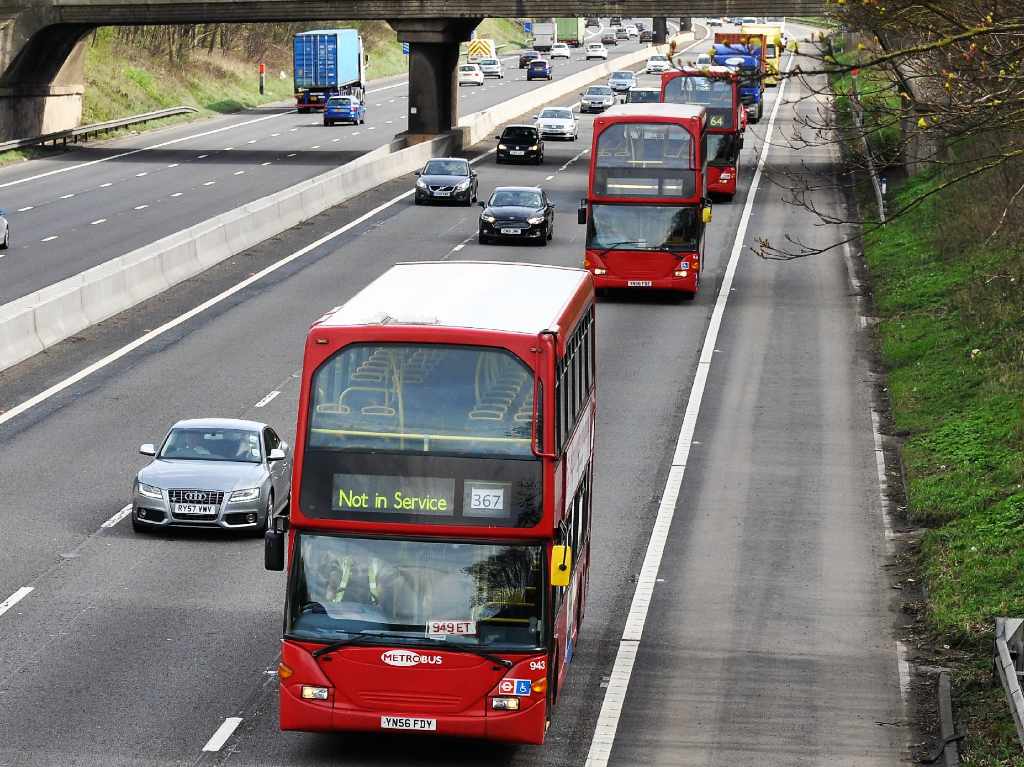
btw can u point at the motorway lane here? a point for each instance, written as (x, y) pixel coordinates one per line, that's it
(84, 215)
(173, 633)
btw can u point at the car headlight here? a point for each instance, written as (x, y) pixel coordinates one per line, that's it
(535, 220)
(488, 218)
(502, 146)
(421, 184)
(150, 492)
(241, 496)
(463, 186)
(535, 147)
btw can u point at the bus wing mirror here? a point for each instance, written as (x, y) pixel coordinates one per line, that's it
(561, 565)
(706, 215)
(273, 549)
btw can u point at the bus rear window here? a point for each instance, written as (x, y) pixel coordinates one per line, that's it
(423, 399)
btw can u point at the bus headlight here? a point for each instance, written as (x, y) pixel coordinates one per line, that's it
(314, 693)
(505, 704)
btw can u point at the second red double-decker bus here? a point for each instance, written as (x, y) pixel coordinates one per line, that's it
(646, 205)
(439, 535)
(717, 89)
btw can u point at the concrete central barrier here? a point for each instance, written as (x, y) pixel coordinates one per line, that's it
(35, 322)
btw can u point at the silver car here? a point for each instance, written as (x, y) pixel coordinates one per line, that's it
(557, 122)
(213, 472)
(597, 98)
(491, 68)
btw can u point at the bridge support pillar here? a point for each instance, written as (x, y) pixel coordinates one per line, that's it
(433, 59)
(43, 76)
(660, 30)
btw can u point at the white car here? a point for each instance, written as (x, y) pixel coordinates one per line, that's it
(557, 123)
(560, 51)
(632, 31)
(597, 51)
(470, 74)
(657, 64)
(491, 67)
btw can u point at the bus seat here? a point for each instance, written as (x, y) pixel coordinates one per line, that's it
(486, 414)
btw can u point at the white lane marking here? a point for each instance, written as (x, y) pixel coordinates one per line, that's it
(200, 157)
(228, 148)
(51, 237)
(268, 399)
(377, 105)
(239, 173)
(118, 516)
(265, 164)
(209, 183)
(141, 207)
(27, 207)
(904, 670)
(391, 101)
(548, 178)
(355, 133)
(67, 196)
(253, 141)
(372, 127)
(290, 155)
(317, 146)
(388, 122)
(274, 135)
(140, 175)
(293, 130)
(388, 87)
(114, 356)
(625, 659)
(219, 738)
(14, 598)
(883, 481)
(335, 140)
(173, 165)
(177, 194)
(137, 151)
(105, 185)
(98, 221)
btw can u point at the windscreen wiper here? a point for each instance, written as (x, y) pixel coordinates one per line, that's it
(362, 637)
(615, 245)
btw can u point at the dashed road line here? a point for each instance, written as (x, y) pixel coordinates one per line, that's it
(265, 164)
(209, 183)
(143, 173)
(239, 173)
(140, 207)
(290, 155)
(177, 194)
(173, 165)
(97, 222)
(26, 208)
(106, 184)
(220, 737)
(118, 516)
(50, 238)
(202, 156)
(14, 598)
(268, 399)
(67, 196)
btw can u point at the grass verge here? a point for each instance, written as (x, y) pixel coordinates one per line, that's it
(952, 336)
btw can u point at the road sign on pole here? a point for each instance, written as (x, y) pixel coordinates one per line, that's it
(405, 49)
(528, 27)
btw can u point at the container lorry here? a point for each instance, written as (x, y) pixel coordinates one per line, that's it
(570, 31)
(327, 62)
(544, 35)
(745, 54)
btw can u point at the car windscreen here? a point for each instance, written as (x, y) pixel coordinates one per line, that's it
(195, 444)
(416, 591)
(342, 101)
(556, 114)
(519, 134)
(423, 399)
(538, 64)
(514, 198)
(599, 90)
(644, 160)
(622, 76)
(643, 227)
(467, 68)
(643, 96)
(446, 168)
(488, 62)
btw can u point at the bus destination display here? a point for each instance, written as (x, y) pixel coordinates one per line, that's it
(379, 493)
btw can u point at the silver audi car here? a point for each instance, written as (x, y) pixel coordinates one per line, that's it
(213, 472)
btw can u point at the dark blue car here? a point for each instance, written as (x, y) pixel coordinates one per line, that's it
(538, 69)
(344, 109)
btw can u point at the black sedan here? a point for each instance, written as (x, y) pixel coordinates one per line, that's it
(520, 142)
(519, 212)
(526, 57)
(446, 179)
(646, 36)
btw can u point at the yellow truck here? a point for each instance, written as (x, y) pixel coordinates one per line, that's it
(772, 52)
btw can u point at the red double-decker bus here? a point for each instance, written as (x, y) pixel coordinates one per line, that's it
(439, 533)
(717, 89)
(646, 205)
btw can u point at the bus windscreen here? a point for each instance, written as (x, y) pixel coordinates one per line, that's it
(643, 227)
(644, 160)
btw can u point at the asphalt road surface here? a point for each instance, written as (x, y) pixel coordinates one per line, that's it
(768, 640)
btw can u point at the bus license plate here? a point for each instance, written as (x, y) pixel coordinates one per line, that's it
(407, 723)
(511, 231)
(194, 508)
(639, 283)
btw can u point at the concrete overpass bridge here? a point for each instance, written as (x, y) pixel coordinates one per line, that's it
(42, 53)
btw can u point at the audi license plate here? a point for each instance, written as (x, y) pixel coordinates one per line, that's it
(442, 194)
(511, 231)
(407, 723)
(639, 283)
(518, 151)
(194, 508)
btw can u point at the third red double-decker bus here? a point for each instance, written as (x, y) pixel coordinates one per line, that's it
(717, 89)
(646, 205)
(439, 534)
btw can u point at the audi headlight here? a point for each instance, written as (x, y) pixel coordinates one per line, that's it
(488, 218)
(242, 496)
(150, 492)
(535, 220)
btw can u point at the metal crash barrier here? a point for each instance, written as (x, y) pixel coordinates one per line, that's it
(84, 131)
(1008, 660)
